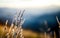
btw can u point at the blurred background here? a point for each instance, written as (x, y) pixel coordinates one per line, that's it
(39, 22)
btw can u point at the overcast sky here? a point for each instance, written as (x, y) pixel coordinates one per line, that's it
(28, 3)
(38, 4)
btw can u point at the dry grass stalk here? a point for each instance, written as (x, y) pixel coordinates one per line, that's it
(15, 31)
